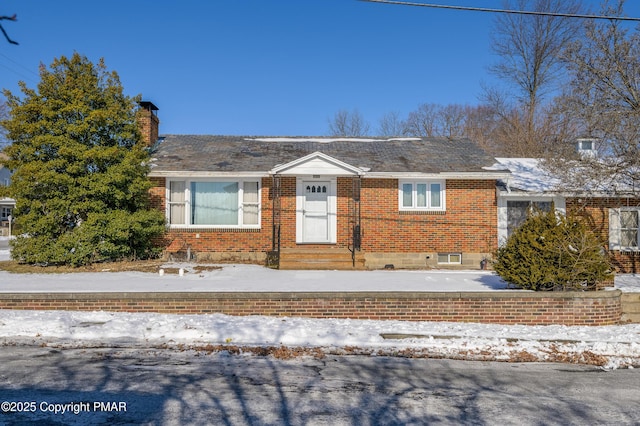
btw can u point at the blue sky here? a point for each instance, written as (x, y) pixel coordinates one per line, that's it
(258, 67)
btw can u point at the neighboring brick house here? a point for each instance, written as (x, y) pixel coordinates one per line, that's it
(379, 202)
(615, 218)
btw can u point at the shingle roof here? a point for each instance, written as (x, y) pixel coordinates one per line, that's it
(260, 154)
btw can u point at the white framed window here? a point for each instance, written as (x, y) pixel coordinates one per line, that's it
(176, 204)
(214, 203)
(5, 212)
(251, 203)
(450, 258)
(421, 195)
(623, 229)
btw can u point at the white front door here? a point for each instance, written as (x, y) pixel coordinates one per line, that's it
(315, 212)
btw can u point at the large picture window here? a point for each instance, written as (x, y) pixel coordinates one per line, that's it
(214, 203)
(422, 195)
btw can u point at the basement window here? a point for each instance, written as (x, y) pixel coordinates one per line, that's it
(450, 258)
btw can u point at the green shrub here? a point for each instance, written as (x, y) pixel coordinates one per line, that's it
(553, 252)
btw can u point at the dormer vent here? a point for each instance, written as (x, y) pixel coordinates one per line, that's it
(586, 147)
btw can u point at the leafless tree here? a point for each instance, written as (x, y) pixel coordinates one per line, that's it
(391, 125)
(452, 120)
(481, 127)
(350, 124)
(431, 120)
(423, 121)
(530, 48)
(603, 98)
(504, 128)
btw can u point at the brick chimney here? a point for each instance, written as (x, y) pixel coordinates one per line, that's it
(148, 122)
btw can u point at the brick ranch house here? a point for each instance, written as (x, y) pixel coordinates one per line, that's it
(325, 202)
(366, 203)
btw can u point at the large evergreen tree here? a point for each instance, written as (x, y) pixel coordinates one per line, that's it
(80, 168)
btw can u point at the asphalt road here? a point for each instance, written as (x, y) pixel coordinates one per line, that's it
(155, 386)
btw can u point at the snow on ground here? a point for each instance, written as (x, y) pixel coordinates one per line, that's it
(5, 254)
(607, 346)
(253, 278)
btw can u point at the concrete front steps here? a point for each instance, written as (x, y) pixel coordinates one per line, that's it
(320, 258)
(630, 307)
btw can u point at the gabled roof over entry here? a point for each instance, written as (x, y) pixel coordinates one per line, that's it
(376, 156)
(316, 163)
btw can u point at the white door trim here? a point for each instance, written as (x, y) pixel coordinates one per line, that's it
(301, 184)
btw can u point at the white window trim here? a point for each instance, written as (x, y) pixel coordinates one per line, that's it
(558, 201)
(427, 208)
(5, 212)
(615, 230)
(449, 262)
(187, 202)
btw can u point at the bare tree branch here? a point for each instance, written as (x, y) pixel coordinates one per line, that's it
(8, 18)
(348, 124)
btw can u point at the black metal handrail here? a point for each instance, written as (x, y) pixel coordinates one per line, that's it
(354, 219)
(273, 257)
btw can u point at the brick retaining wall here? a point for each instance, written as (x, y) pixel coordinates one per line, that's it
(505, 307)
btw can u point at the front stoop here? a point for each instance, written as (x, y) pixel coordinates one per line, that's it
(323, 259)
(630, 307)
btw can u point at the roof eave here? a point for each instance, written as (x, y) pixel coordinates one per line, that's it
(205, 173)
(441, 175)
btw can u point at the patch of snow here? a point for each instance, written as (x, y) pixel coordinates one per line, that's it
(614, 346)
(629, 283)
(329, 139)
(611, 346)
(253, 278)
(526, 174)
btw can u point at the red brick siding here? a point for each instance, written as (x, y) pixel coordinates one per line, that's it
(596, 213)
(157, 193)
(148, 124)
(288, 211)
(469, 223)
(594, 308)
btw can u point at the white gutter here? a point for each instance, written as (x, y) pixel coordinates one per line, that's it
(444, 175)
(177, 173)
(385, 175)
